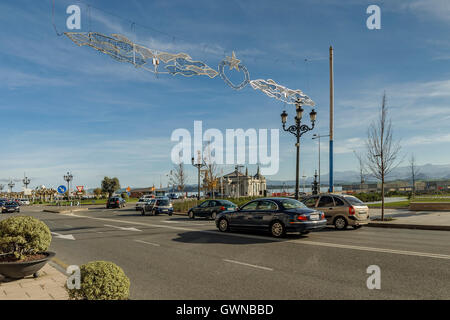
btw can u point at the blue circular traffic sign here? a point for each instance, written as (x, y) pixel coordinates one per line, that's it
(62, 189)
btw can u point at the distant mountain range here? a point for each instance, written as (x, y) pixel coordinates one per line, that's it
(425, 172)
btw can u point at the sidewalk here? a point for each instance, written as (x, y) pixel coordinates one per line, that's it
(48, 286)
(405, 219)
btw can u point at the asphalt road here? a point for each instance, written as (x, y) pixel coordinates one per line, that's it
(177, 258)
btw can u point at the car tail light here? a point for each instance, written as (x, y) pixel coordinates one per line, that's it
(222, 208)
(117, 201)
(322, 216)
(351, 211)
(303, 218)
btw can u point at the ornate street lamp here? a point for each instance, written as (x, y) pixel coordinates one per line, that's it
(298, 129)
(68, 177)
(11, 185)
(26, 181)
(199, 165)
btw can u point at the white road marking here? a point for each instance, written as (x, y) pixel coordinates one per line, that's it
(150, 243)
(122, 228)
(63, 236)
(372, 249)
(304, 242)
(68, 226)
(248, 264)
(191, 223)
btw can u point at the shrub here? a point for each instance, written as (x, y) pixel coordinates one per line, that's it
(24, 236)
(101, 280)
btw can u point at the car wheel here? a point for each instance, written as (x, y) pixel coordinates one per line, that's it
(170, 214)
(191, 215)
(143, 212)
(223, 225)
(340, 223)
(152, 213)
(277, 229)
(213, 215)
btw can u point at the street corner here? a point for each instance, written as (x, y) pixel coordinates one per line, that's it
(49, 285)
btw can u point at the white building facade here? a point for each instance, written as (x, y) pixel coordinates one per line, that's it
(244, 185)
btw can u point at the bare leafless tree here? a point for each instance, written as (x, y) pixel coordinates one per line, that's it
(382, 150)
(362, 169)
(211, 179)
(178, 176)
(414, 172)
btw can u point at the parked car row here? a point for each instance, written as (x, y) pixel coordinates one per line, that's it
(277, 215)
(20, 202)
(281, 215)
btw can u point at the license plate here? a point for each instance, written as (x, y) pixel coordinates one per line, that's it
(314, 217)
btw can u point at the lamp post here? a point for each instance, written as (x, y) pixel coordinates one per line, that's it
(26, 181)
(68, 177)
(199, 165)
(298, 129)
(318, 136)
(11, 185)
(237, 167)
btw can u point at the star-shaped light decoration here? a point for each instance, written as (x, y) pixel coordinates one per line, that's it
(234, 63)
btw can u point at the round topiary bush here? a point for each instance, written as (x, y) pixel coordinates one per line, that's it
(101, 280)
(24, 236)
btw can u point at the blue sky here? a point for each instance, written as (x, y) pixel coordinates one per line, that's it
(66, 107)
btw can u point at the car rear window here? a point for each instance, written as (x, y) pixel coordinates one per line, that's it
(292, 204)
(354, 201)
(227, 203)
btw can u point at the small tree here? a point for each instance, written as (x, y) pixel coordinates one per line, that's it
(178, 176)
(382, 151)
(110, 185)
(210, 180)
(414, 172)
(98, 192)
(362, 170)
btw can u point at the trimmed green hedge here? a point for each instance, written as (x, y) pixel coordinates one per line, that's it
(101, 280)
(23, 236)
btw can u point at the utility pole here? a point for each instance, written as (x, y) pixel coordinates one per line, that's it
(331, 187)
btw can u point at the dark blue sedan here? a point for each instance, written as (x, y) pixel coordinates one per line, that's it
(10, 206)
(276, 215)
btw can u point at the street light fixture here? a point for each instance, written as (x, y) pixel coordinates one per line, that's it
(68, 178)
(318, 136)
(298, 129)
(199, 165)
(11, 185)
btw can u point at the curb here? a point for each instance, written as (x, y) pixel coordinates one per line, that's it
(64, 211)
(408, 226)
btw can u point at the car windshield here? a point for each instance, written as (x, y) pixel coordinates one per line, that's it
(292, 204)
(163, 202)
(354, 201)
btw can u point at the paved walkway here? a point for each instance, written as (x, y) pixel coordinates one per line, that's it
(48, 286)
(429, 220)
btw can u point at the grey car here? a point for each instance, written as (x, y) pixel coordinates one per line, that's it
(340, 210)
(276, 215)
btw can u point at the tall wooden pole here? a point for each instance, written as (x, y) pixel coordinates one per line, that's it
(331, 187)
